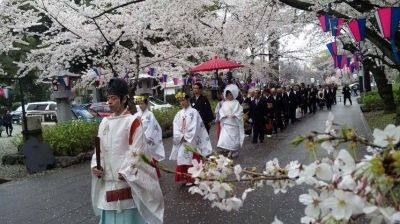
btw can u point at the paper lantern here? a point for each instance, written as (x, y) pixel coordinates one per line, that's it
(388, 19)
(357, 29)
(324, 22)
(332, 48)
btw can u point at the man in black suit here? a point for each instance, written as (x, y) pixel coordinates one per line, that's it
(202, 105)
(278, 110)
(270, 115)
(258, 111)
(283, 92)
(293, 103)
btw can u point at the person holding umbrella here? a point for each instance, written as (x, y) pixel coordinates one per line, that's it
(202, 105)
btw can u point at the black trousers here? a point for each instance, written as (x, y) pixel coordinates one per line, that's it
(292, 115)
(313, 107)
(258, 131)
(9, 129)
(347, 97)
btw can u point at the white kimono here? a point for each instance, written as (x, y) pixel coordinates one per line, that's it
(232, 130)
(189, 126)
(120, 137)
(153, 134)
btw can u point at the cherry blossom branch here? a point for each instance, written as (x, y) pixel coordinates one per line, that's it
(55, 19)
(117, 7)
(160, 60)
(258, 176)
(355, 138)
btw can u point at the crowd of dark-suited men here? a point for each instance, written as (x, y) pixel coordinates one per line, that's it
(270, 110)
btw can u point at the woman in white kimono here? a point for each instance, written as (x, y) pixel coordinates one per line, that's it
(125, 190)
(188, 129)
(152, 131)
(231, 118)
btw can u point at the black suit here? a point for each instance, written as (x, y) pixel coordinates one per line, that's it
(313, 100)
(202, 105)
(270, 114)
(258, 111)
(278, 112)
(329, 98)
(293, 104)
(285, 108)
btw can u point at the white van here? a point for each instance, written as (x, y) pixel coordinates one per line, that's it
(41, 106)
(47, 109)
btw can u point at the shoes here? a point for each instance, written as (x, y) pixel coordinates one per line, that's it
(269, 136)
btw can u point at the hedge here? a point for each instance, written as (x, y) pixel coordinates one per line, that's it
(71, 138)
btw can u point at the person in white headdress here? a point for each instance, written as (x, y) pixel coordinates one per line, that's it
(152, 130)
(231, 118)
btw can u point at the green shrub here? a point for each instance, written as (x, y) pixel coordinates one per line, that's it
(171, 100)
(72, 138)
(165, 117)
(18, 141)
(372, 99)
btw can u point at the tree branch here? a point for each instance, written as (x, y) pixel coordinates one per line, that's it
(55, 19)
(117, 7)
(163, 59)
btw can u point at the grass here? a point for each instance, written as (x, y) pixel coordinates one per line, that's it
(379, 119)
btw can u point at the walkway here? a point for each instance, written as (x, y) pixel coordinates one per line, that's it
(63, 196)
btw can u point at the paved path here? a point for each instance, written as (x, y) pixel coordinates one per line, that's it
(63, 196)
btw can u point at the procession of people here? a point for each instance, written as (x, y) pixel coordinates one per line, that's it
(125, 190)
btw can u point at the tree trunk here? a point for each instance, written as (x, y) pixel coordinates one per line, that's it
(273, 47)
(384, 88)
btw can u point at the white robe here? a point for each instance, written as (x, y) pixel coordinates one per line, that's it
(232, 130)
(116, 157)
(153, 134)
(194, 133)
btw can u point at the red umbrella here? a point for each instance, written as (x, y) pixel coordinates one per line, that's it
(215, 64)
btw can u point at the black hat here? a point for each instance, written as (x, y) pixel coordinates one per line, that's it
(117, 87)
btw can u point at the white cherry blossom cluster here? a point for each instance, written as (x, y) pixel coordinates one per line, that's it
(342, 189)
(215, 177)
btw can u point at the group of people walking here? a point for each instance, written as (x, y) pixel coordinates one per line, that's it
(125, 190)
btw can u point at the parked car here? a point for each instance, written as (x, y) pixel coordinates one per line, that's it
(81, 113)
(16, 115)
(100, 108)
(156, 104)
(46, 108)
(46, 105)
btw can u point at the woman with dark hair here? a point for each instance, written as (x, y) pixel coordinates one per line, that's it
(124, 191)
(231, 118)
(188, 130)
